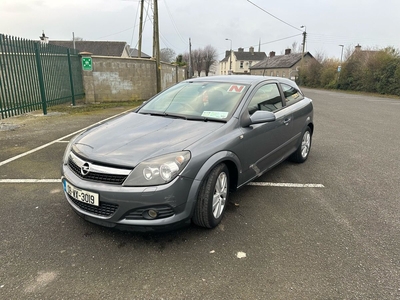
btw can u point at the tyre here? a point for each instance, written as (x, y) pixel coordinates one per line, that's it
(302, 152)
(212, 198)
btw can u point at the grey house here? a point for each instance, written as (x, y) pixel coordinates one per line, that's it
(286, 65)
(133, 52)
(101, 48)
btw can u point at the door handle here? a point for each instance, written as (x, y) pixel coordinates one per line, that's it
(287, 121)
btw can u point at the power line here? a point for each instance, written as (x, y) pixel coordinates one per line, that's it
(145, 20)
(133, 31)
(270, 42)
(274, 16)
(116, 33)
(163, 38)
(173, 22)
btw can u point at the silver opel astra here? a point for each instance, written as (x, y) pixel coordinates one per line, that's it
(175, 159)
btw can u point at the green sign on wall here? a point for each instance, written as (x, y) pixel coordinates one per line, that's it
(87, 63)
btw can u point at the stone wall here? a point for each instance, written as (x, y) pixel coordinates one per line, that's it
(124, 79)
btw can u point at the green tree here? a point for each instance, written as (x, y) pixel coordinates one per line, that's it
(329, 73)
(179, 60)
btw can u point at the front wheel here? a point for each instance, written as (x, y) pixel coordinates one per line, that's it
(304, 148)
(212, 198)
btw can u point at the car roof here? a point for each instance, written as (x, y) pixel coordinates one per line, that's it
(243, 79)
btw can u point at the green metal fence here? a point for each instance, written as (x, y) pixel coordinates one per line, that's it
(35, 76)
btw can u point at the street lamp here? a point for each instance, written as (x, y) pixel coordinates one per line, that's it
(341, 58)
(230, 58)
(341, 55)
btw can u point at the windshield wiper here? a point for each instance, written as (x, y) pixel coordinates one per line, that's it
(164, 114)
(205, 119)
(190, 118)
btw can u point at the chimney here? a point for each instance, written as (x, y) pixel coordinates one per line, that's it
(272, 54)
(241, 49)
(287, 51)
(227, 53)
(251, 50)
(358, 47)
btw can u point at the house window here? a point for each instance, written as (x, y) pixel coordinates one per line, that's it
(283, 74)
(272, 73)
(241, 64)
(250, 63)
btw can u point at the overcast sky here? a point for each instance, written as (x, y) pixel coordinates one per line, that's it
(329, 23)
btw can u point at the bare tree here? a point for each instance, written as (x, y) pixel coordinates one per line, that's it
(348, 51)
(296, 48)
(320, 56)
(167, 55)
(209, 58)
(197, 60)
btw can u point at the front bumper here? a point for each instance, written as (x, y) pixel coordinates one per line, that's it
(127, 207)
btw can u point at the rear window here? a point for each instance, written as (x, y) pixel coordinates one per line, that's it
(291, 93)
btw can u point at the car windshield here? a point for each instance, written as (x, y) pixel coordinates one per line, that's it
(197, 101)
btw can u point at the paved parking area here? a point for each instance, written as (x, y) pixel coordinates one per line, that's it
(326, 229)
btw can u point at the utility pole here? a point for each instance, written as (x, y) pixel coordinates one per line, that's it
(230, 58)
(190, 58)
(304, 41)
(140, 28)
(156, 46)
(304, 48)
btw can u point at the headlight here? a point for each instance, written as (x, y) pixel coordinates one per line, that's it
(159, 170)
(68, 149)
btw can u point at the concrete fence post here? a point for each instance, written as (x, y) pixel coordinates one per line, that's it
(87, 75)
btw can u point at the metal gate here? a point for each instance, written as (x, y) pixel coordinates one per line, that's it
(35, 76)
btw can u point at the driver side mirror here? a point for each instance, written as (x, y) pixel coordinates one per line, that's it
(262, 116)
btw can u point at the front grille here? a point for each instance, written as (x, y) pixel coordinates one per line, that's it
(93, 176)
(104, 209)
(163, 211)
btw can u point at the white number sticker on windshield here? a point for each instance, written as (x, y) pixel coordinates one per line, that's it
(215, 114)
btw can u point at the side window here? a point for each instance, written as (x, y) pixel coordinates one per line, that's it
(291, 94)
(266, 98)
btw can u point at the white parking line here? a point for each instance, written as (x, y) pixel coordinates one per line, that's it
(292, 185)
(57, 140)
(30, 180)
(270, 184)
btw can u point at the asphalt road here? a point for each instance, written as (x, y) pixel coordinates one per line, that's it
(340, 241)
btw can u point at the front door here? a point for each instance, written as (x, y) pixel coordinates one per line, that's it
(266, 143)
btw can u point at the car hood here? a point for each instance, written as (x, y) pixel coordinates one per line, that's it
(133, 138)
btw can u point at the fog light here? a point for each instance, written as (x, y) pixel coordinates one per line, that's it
(152, 213)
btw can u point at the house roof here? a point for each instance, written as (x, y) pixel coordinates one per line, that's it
(363, 54)
(133, 52)
(250, 55)
(103, 48)
(243, 55)
(280, 61)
